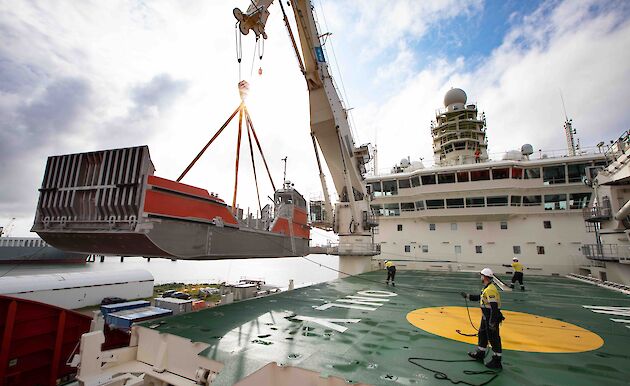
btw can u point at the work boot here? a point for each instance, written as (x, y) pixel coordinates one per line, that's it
(387, 282)
(522, 288)
(512, 286)
(495, 363)
(477, 355)
(394, 284)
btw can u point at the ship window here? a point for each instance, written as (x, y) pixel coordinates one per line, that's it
(428, 179)
(504, 225)
(479, 226)
(554, 174)
(419, 205)
(576, 172)
(404, 184)
(425, 248)
(448, 178)
(415, 181)
(458, 249)
(462, 177)
(516, 249)
(435, 204)
(516, 200)
(407, 248)
(579, 200)
(517, 173)
(497, 201)
(454, 202)
(377, 209)
(407, 207)
(453, 226)
(540, 249)
(399, 227)
(480, 175)
(547, 224)
(475, 202)
(532, 173)
(478, 249)
(459, 145)
(390, 188)
(500, 174)
(376, 189)
(555, 201)
(391, 210)
(532, 200)
(431, 227)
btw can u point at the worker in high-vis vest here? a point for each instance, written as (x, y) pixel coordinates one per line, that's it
(491, 318)
(391, 272)
(518, 273)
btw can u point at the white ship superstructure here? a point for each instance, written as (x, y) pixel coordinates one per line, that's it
(469, 212)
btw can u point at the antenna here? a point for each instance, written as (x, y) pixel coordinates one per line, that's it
(569, 131)
(284, 178)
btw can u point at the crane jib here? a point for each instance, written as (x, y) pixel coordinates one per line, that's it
(319, 54)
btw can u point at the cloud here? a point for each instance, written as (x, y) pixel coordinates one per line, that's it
(79, 76)
(160, 92)
(573, 47)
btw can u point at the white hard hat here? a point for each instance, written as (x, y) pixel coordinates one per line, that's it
(487, 272)
(515, 259)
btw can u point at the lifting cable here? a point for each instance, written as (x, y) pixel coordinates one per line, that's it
(251, 125)
(242, 113)
(251, 153)
(203, 150)
(238, 156)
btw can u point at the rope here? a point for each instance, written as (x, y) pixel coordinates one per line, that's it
(238, 157)
(251, 125)
(470, 320)
(444, 377)
(251, 153)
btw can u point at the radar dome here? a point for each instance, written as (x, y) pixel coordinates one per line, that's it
(454, 95)
(404, 162)
(527, 149)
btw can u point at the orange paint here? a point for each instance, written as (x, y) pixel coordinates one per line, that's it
(181, 188)
(169, 204)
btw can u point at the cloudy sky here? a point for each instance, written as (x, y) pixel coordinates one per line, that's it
(85, 75)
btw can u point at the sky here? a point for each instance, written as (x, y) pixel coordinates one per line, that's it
(79, 76)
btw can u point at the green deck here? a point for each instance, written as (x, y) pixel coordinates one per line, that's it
(247, 335)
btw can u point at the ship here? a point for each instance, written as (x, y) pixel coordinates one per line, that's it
(109, 202)
(568, 327)
(33, 250)
(469, 211)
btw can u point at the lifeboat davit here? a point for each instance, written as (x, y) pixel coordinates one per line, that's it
(109, 203)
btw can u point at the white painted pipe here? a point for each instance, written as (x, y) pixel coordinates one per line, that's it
(623, 212)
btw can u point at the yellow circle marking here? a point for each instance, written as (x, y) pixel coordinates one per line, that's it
(519, 331)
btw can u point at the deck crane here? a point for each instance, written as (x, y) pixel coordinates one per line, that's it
(353, 220)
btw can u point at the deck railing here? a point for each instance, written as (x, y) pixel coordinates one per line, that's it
(607, 252)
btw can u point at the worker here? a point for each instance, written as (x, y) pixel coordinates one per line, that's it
(391, 271)
(491, 318)
(477, 155)
(518, 273)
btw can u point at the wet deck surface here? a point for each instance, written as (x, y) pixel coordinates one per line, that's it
(376, 350)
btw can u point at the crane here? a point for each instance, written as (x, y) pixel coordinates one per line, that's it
(353, 220)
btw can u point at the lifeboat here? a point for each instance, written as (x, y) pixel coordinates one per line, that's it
(109, 202)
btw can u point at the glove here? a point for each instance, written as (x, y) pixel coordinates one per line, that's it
(464, 295)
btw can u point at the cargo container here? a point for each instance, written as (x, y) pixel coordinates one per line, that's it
(178, 306)
(111, 308)
(123, 320)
